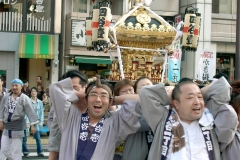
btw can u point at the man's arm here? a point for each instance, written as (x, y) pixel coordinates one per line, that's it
(62, 95)
(153, 101)
(226, 123)
(2, 113)
(216, 95)
(117, 128)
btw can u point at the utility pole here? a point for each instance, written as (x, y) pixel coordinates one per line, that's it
(237, 55)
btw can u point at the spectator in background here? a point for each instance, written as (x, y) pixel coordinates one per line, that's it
(24, 140)
(25, 88)
(3, 91)
(40, 91)
(141, 141)
(14, 106)
(39, 80)
(38, 108)
(142, 81)
(219, 75)
(122, 87)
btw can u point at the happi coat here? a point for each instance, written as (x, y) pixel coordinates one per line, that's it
(23, 107)
(225, 119)
(137, 143)
(115, 129)
(154, 99)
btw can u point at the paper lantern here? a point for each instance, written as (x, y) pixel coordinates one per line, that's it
(95, 25)
(188, 29)
(105, 18)
(196, 32)
(89, 33)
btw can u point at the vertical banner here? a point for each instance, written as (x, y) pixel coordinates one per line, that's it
(174, 64)
(207, 65)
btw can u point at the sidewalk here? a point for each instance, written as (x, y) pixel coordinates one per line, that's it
(32, 141)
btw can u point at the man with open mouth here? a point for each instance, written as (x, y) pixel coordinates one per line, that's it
(83, 132)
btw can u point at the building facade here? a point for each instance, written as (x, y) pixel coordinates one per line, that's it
(217, 31)
(29, 40)
(72, 41)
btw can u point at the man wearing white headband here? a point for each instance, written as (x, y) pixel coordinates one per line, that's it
(13, 108)
(83, 133)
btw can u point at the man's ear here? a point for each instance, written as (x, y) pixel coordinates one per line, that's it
(111, 102)
(175, 103)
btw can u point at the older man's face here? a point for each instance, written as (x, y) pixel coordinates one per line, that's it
(190, 105)
(16, 88)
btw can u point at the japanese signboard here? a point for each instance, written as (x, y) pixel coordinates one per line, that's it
(174, 64)
(78, 33)
(12, 2)
(207, 65)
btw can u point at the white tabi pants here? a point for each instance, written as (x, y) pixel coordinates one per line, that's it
(11, 147)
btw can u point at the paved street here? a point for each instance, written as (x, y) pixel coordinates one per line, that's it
(31, 144)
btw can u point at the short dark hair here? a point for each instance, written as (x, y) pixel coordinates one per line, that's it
(177, 89)
(221, 74)
(138, 80)
(102, 82)
(184, 79)
(24, 81)
(35, 88)
(75, 73)
(121, 84)
(40, 77)
(41, 85)
(235, 102)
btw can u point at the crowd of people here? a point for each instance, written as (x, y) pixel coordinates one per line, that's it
(130, 121)
(21, 109)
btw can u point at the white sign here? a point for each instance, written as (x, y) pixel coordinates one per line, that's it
(207, 65)
(12, 2)
(69, 68)
(78, 33)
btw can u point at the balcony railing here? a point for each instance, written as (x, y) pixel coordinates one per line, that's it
(13, 22)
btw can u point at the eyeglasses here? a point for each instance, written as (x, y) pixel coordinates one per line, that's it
(77, 88)
(130, 90)
(101, 96)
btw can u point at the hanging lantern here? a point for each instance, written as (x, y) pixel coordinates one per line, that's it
(188, 29)
(95, 25)
(105, 18)
(196, 32)
(89, 33)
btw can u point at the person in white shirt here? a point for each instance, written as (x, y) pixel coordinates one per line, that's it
(184, 132)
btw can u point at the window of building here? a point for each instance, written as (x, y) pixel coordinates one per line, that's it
(86, 6)
(224, 6)
(27, 15)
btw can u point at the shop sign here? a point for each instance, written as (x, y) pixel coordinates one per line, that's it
(69, 68)
(12, 2)
(207, 65)
(39, 6)
(78, 33)
(174, 64)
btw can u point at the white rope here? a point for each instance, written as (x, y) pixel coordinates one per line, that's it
(119, 55)
(164, 66)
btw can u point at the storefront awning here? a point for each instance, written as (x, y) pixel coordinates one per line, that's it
(36, 46)
(92, 60)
